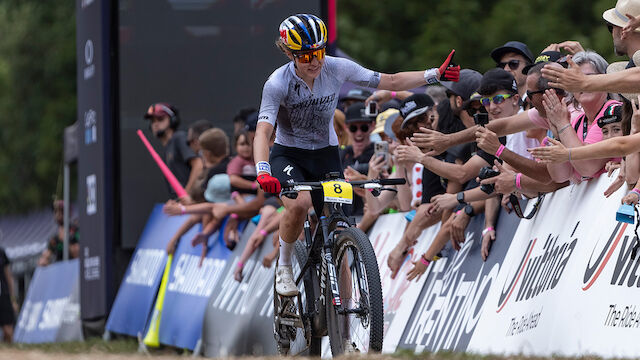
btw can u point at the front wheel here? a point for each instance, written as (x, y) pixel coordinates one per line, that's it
(357, 324)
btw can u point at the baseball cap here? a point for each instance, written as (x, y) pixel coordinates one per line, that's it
(252, 122)
(384, 121)
(547, 56)
(355, 113)
(617, 16)
(612, 114)
(497, 79)
(512, 47)
(466, 86)
(413, 106)
(357, 94)
(218, 189)
(160, 109)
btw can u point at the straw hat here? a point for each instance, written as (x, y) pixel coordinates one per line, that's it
(617, 16)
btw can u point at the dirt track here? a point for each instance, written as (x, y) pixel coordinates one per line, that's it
(15, 354)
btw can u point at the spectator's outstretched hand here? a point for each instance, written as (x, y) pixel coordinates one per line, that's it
(620, 178)
(487, 240)
(416, 272)
(409, 152)
(571, 47)
(172, 208)
(458, 226)
(631, 26)
(377, 167)
(433, 142)
(487, 140)
(571, 79)
(505, 182)
(556, 110)
(444, 201)
(554, 153)
(631, 198)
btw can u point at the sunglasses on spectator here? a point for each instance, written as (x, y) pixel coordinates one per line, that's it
(513, 64)
(363, 128)
(610, 27)
(307, 57)
(472, 111)
(498, 99)
(531, 93)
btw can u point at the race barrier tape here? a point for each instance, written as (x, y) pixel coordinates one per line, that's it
(51, 310)
(561, 283)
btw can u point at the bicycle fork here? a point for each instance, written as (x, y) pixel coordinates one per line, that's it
(329, 267)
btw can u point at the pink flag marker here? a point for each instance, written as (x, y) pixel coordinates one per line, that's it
(180, 191)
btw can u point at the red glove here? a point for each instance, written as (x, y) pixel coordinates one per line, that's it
(449, 71)
(269, 184)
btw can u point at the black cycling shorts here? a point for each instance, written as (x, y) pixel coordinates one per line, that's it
(289, 164)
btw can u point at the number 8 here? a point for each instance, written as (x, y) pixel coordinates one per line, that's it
(337, 189)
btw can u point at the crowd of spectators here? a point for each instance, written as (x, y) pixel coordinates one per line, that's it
(465, 148)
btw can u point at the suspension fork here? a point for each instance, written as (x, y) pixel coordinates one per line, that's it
(328, 258)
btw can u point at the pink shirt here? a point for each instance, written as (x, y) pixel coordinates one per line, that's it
(241, 166)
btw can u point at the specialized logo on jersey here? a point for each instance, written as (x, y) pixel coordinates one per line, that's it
(287, 170)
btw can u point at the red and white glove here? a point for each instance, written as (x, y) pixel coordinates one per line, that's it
(269, 184)
(448, 71)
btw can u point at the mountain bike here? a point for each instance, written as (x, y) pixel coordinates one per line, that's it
(338, 277)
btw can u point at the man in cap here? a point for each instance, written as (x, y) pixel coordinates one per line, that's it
(357, 155)
(353, 96)
(513, 56)
(179, 157)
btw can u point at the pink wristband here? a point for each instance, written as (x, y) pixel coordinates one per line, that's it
(183, 210)
(458, 212)
(254, 186)
(234, 194)
(424, 261)
(500, 150)
(635, 190)
(518, 177)
(263, 232)
(239, 264)
(485, 231)
(393, 94)
(234, 215)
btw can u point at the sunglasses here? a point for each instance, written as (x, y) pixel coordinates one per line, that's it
(498, 99)
(472, 111)
(513, 64)
(363, 128)
(610, 27)
(307, 57)
(531, 93)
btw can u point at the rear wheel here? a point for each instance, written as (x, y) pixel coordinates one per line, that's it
(358, 323)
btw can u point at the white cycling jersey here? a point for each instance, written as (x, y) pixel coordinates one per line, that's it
(305, 116)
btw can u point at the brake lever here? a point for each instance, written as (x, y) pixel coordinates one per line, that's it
(291, 194)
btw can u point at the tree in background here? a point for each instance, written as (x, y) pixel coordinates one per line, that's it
(391, 36)
(37, 99)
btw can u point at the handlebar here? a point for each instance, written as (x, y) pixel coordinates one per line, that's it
(375, 185)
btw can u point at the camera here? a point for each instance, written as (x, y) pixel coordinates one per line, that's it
(481, 119)
(486, 173)
(371, 109)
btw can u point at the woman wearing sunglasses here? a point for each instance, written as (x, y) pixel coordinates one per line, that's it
(302, 96)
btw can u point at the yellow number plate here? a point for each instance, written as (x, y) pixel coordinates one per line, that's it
(337, 192)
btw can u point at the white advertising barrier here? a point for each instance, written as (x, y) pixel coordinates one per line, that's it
(568, 285)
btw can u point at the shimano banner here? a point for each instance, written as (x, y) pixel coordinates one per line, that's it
(51, 310)
(239, 316)
(139, 287)
(189, 288)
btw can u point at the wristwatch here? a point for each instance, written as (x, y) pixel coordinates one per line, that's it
(460, 197)
(468, 210)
